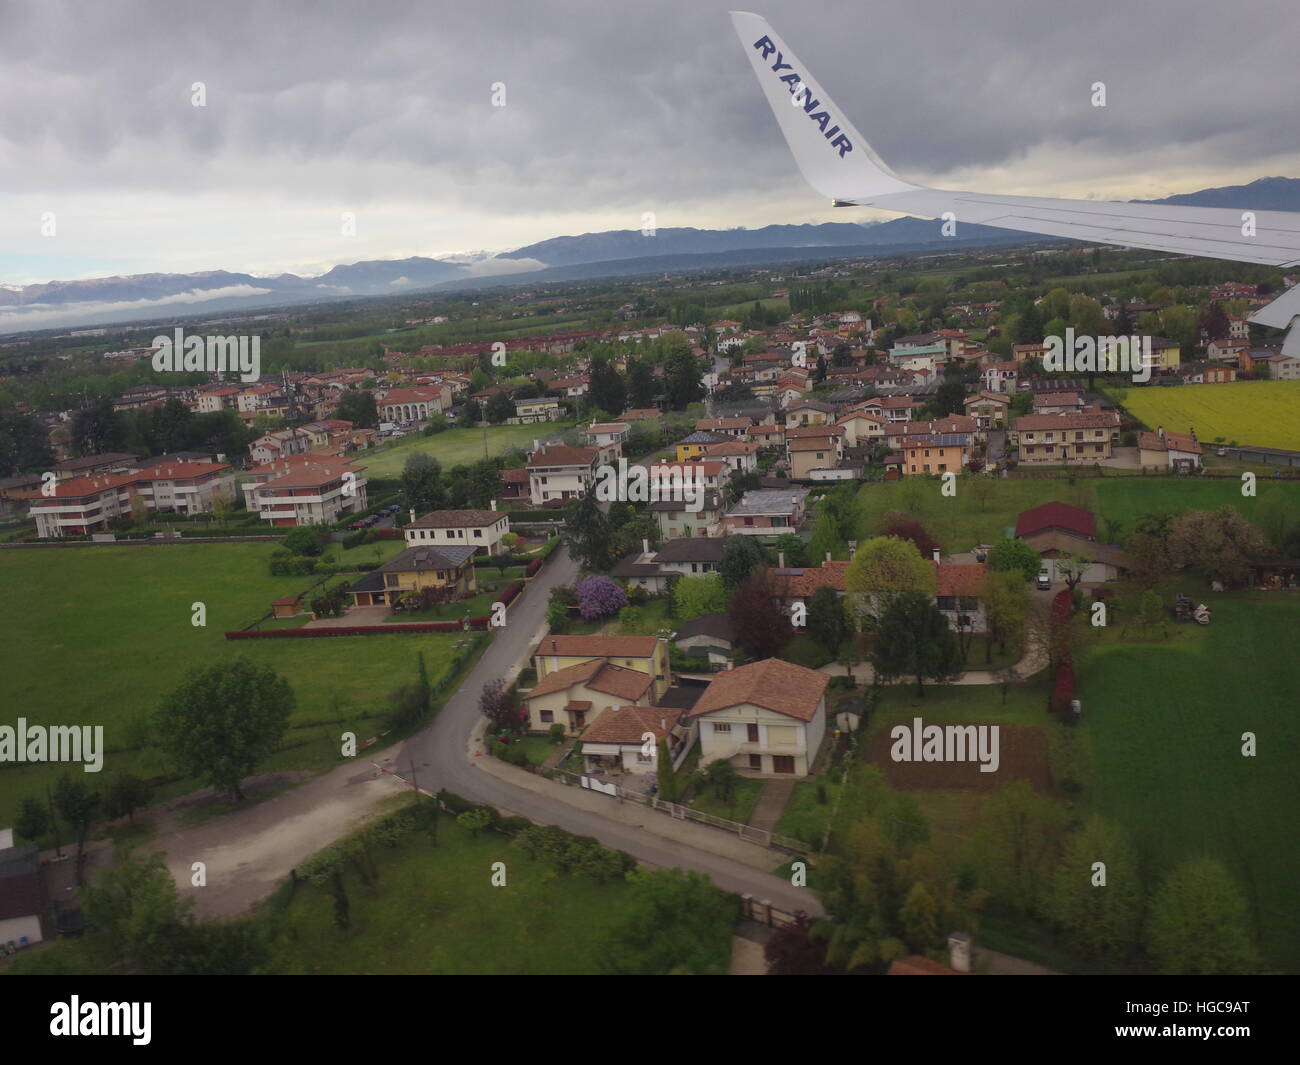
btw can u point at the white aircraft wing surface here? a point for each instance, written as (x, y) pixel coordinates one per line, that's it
(837, 161)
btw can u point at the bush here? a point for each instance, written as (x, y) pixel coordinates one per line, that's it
(556, 733)
(512, 826)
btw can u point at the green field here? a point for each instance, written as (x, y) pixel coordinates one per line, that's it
(984, 509)
(98, 635)
(1263, 413)
(457, 447)
(1165, 725)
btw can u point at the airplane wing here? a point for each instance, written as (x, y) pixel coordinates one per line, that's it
(837, 161)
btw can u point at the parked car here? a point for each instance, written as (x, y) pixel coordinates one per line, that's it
(1044, 578)
(353, 526)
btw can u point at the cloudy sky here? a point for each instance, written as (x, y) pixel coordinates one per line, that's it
(384, 109)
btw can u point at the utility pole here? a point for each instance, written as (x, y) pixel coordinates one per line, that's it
(54, 823)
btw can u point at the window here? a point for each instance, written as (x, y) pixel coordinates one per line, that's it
(721, 728)
(641, 757)
(548, 717)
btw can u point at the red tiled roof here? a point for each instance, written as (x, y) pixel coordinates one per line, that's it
(598, 646)
(959, 580)
(773, 684)
(628, 724)
(1058, 516)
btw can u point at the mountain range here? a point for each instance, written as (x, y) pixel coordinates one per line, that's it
(145, 297)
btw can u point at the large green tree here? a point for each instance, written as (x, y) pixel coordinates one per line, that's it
(422, 485)
(883, 569)
(1099, 906)
(828, 620)
(914, 639)
(1200, 924)
(224, 720)
(588, 534)
(741, 556)
(671, 922)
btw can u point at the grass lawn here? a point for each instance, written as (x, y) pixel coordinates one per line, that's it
(98, 635)
(1165, 725)
(456, 447)
(434, 910)
(537, 748)
(983, 510)
(1249, 412)
(744, 798)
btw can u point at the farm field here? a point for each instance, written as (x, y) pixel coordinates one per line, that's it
(983, 510)
(1263, 413)
(455, 447)
(1165, 726)
(98, 635)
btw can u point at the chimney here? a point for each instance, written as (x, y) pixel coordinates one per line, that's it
(936, 556)
(412, 512)
(853, 549)
(828, 556)
(554, 646)
(780, 560)
(959, 947)
(537, 444)
(645, 545)
(494, 504)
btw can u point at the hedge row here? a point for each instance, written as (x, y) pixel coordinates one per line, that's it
(512, 591)
(475, 624)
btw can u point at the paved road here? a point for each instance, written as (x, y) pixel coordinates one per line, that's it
(442, 759)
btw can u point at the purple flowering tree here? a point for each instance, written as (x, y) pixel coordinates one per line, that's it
(599, 597)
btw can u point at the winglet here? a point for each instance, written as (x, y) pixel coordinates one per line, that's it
(834, 157)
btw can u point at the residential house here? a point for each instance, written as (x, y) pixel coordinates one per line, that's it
(609, 438)
(655, 570)
(644, 654)
(617, 739)
(280, 444)
(808, 412)
(1064, 439)
(1166, 355)
(1169, 451)
(989, 409)
(736, 427)
(559, 472)
(1057, 402)
(1279, 367)
(1000, 377)
(534, 410)
(1204, 372)
(675, 518)
(767, 512)
(959, 595)
(862, 428)
(820, 449)
(1056, 517)
(711, 636)
(741, 456)
(692, 446)
(766, 435)
(305, 490)
(574, 695)
(1060, 551)
(480, 529)
(940, 453)
(446, 567)
(1229, 351)
(768, 717)
(22, 892)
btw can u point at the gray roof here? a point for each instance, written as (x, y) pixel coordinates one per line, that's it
(691, 549)
(769, 501)
(716, 625)
(704, 436)
(712, 501)
(419, 559)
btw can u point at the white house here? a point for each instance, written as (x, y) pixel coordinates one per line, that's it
(765, 718)
(479, 529)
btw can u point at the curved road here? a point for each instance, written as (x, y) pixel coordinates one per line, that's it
(442, 758)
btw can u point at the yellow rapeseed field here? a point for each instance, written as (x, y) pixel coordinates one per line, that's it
(1263, 413)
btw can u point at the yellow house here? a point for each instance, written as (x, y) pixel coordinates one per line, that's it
(1165, 354)
(575, 695)
(646, 654)
(692, 447)
(417, 568)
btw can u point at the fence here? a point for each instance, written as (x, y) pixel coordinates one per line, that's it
(764, 912)
(680, 812)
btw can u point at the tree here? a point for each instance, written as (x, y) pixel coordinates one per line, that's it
(32, 820)
(665, 773)
(137, 910)
(760, 624)
(792, 951)
(1006, 606)
(1200, 924)
(24, 444)
(422, 486)
(720, 777)
(640, 385)
(741, 555)
(599, 597)
(471, 414)
(1072, 568)
(497, 705)
(791, 547)
(898, 525)
(78, 806)
(1016, 846)
(588, 534)
(682, 378)
(1218, 544)
(914, 639)
(606, 389)
(695, 597)
(1008, 556)
(125, 794)
(499, 407)
(886, 567)
(342, 915)
(475, 820)
(1099, 918)
(358, 407)
(828, 620)
(302, 541)
(224, 720)
(672, 921)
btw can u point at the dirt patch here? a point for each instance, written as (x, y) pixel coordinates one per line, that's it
(1023, 755)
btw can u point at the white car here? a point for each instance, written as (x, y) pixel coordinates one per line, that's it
(1044, 578)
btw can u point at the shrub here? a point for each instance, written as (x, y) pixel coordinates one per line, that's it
(556, 733)
(600, 597)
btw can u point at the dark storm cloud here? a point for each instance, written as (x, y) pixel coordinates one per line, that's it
(611, 106)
